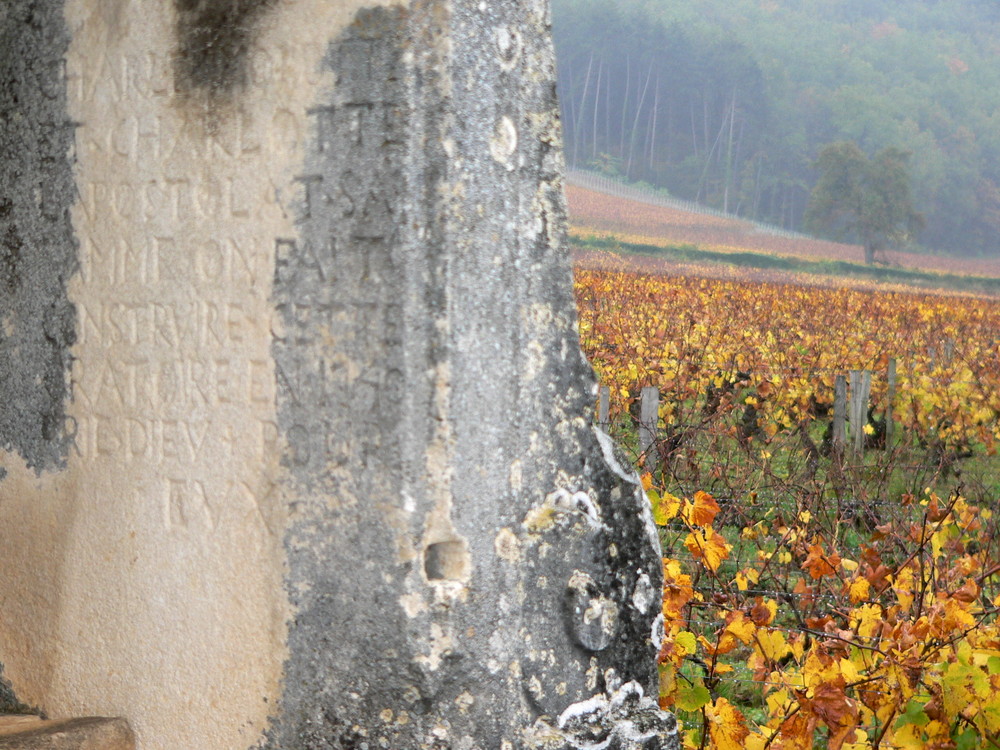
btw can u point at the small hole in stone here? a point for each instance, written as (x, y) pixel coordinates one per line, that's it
(446, 561)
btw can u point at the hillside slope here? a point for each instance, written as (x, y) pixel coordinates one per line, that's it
(593, 212)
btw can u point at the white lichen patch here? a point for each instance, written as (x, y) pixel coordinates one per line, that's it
(535, 360)
(507, 546)
(465, 701)
(508, 46)
(441, 645)
(535, 688)
(596, 705)
(515, 669)
(579, 502)
(503, 144)
(538, 317)
(658, 633)
(448, 593)
(412, 604)
(644, 593)
(623, 471)
(631, 689)
(593, 674)
(515, 475)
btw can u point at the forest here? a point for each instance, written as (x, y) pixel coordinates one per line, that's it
(730, 102)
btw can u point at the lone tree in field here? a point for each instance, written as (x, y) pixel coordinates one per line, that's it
(864, 199)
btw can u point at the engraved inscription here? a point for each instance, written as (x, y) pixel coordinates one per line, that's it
(338, 352)
(173, 372)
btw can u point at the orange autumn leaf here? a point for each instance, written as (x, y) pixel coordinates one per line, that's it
(647, 481)
(677, 590)
(950, 617)
(818, 563)
(702, 511)
(796, 732)
(724, 645)
(763, 611)
(833, 707)
(709, 546)
(968, 593)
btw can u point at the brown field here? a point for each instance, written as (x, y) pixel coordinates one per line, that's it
(643, 223)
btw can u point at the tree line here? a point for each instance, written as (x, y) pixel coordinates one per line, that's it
(731, 102)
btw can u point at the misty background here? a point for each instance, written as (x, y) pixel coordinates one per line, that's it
(729, 102)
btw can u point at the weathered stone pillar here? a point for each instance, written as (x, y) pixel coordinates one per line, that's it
(298, 453)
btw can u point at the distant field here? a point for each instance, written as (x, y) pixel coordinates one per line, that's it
(646, 224)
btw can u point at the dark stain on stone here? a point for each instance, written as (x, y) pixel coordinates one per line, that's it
(214, 38)
(9, 704)
(348, 256)
(38, 249)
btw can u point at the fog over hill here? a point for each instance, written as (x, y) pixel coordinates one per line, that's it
(729, 102)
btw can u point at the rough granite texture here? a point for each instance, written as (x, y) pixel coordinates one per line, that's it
(469, 565)
(37, 246)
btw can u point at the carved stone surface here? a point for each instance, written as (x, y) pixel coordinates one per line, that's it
(333, 482)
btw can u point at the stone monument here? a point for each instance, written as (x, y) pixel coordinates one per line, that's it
(295, 423)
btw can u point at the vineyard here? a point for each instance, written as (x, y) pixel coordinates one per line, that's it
(816, 595)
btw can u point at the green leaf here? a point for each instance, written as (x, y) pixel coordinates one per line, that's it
(692, 697)
(914, 714)
(967, 740)
(993, 665)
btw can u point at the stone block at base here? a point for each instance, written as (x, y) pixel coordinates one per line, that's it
(92, 733)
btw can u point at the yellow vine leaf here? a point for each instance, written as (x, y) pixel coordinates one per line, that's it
(771, 644)
(677, 590)
(665, 507)
(903, 583)
(726, 726)
(858, 742)
(740, 626)
(867, 620)
(858, 590)
(745, 577)
(909, 737)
